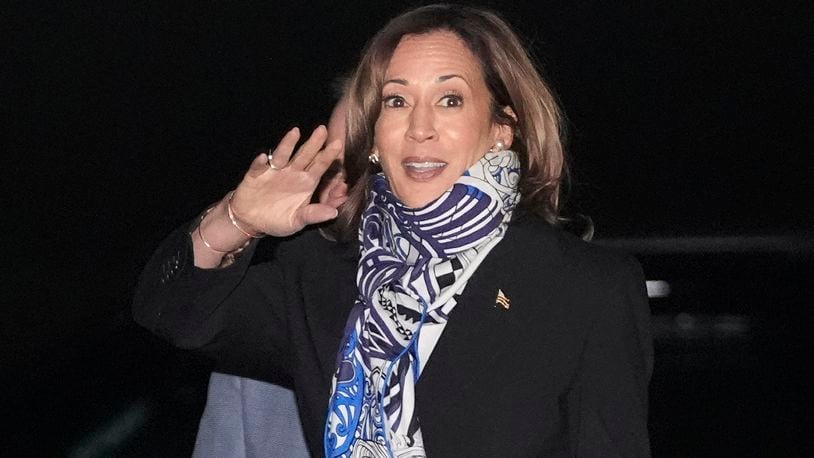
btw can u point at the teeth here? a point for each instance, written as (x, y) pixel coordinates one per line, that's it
(425, 165)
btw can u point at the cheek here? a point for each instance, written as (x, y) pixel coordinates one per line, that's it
(382, 145)
(387, 141)
(471, 143)
(377, 129)
(382, 134)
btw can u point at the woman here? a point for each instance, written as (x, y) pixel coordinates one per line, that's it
(451, 317)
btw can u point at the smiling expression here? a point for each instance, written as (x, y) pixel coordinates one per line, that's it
(436, 118)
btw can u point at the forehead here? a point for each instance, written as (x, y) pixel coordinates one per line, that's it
(439, 52)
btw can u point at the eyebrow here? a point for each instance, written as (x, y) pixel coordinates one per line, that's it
(440, 79)
(397, 81)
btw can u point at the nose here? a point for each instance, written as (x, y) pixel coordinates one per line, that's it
(422, 124)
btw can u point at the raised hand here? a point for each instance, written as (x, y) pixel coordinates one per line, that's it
(275, 196)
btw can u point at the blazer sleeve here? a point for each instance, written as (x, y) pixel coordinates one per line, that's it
(611, 392)
(236, 315)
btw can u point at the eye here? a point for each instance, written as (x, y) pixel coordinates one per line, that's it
(394, 101)
(452, 100)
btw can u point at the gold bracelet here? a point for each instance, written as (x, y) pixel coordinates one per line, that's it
(233, 219)
(201, 236)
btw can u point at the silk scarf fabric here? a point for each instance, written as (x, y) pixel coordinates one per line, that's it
(414, 262)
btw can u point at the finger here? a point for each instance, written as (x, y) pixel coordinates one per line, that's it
(282, 154)
(310, 148)
(325, 158)
(317, 213)
(258, 166)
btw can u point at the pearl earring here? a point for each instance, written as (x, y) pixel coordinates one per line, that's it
(373, 157)
(499, 146)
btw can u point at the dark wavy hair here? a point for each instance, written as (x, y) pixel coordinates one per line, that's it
(512, 79)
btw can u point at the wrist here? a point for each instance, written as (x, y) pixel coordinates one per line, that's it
(217, 233)
(199, 232)
(239, 224)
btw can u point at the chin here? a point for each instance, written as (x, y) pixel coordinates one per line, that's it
(417, 194)
(422, 198)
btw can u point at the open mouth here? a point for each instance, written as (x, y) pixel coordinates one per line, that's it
(424, 165)
(423, 168)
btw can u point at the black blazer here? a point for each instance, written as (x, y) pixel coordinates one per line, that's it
(563, 371)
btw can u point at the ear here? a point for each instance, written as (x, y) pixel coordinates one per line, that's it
(505, 132)
(335, 191)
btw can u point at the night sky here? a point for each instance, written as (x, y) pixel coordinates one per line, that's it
(124, 119)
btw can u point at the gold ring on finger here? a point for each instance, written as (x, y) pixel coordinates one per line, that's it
(271, 164)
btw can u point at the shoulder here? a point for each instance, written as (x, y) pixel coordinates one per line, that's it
(538, 241)
(587, 289)
(546, 249)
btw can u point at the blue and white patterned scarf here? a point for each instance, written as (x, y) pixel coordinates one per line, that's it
(414, 262)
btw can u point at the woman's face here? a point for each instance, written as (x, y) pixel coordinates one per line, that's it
(435, 120)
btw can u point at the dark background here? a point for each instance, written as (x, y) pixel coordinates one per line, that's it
(690, 145)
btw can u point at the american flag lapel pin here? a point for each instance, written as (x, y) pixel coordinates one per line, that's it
(502, 300)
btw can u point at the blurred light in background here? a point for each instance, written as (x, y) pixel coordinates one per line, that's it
(701, 326)
(657, 288)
